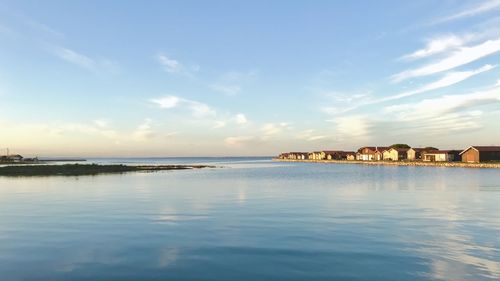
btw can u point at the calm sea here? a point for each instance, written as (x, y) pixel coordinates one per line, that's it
(254, 219)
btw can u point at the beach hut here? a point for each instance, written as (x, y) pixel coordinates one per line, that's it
(351, 155)
(396, 154)
(441, 155)
(366, 153)
(415, 153)
(379, 152)
(481, 154)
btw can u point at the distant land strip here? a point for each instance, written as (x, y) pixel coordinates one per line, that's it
(399, 163)
(87, 169)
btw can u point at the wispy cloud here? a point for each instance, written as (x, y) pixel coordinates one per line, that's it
(231, 83)
(101, 123)
(459, 57)
(144, 131)
(270, 129)
(76, 58)
(171, 65)
(43, 27)
(483, 7)
(239, 119)
(219, 124)
(229, 90)
(239, 140)
(346, 97)
(84, 61)
(197, 109)
(447, 80)
(64, 128)
(450, 112)
(356, 126)
(437, 45)
(310, 135)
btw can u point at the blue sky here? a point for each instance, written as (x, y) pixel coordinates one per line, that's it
(208, 78)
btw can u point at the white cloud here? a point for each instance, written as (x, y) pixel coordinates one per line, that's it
(101, 123)
(484, 7)
(63, 128)
(436, 46)
(170, 65)
(309, 135)
(239, 76)
(229, 90)
(167, 102)
(346, 97)
(200, 109)
(76, 58)
(84, 61)
(459, 57)
(174, 66)
(44, 28)
(352, 126)
(144, 131)
(231, 83)
(450, 112)
(238, 141)
(269, 129)
(448, 80)
(197, 109)
(219, 124)
(240, 119)
(315, 138)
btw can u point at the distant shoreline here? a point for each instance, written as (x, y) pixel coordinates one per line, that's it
(400, 163)
(87, 169)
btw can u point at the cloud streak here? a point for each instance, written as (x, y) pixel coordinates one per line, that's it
(173, 66)
(198, 109)
(451, 112)
(83, 61)
(447, 80)
(461, 56)
(484, 7)
(437, 46)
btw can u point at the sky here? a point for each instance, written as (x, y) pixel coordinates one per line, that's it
(253, 78)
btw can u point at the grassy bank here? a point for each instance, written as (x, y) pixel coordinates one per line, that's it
(494, 165)
(87, 169)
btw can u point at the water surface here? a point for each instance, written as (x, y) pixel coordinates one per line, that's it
(253, 220)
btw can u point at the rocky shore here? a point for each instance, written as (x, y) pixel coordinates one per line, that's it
(401, 163)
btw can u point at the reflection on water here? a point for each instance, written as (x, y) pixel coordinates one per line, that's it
(256, 220)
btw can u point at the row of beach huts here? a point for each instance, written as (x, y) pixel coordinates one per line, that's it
(472, 154)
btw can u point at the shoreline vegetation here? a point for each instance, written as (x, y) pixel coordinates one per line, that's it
(87, 169)
(398, 163)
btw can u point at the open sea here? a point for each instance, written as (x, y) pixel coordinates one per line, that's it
(253, 219)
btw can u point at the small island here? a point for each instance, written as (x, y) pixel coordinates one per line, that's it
(87, 169)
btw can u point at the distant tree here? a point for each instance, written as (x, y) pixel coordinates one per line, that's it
(400, 145)
(430, 148)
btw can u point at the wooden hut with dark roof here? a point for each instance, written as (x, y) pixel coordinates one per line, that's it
(481, 154)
